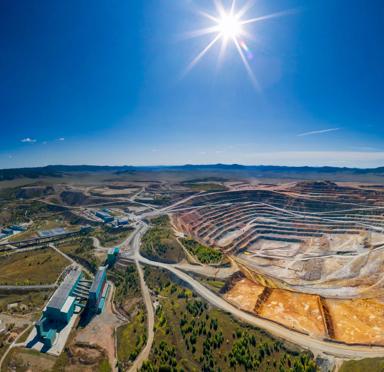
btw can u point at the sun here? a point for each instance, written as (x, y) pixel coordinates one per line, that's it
(229, 26)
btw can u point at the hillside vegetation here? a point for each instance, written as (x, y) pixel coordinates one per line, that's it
(204, 254)
(192, 335)
(159, 242)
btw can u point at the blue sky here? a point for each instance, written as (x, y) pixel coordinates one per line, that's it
(103, 82)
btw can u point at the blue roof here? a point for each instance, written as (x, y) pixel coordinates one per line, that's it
(52, 232)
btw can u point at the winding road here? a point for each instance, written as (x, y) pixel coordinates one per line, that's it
(317, 346)
(144, 355)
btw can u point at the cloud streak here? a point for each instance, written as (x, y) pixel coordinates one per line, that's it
(28, 140)
(361, 159)
(321, 131)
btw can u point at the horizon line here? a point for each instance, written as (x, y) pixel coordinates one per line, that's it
(191, 165)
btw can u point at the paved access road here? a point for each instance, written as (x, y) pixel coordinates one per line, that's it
(23, 288)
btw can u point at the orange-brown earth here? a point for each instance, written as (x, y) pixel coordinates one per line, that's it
(358, 321)
(353, 321)
(244, 294)
(295, 310)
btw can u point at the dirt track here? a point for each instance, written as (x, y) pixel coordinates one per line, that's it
(144, 355)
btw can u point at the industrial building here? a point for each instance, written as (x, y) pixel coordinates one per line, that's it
(18, 228)
(86, 229)
(60, 308)
(74, 294)
(7, 231)
(106, 217)
(123, 221)
(112, 256)
(61, 305)
(98, 291)
(52, 232)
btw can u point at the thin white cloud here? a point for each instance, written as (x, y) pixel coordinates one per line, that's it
(321, 131)
(28, 140)
(316, 158)
(61, 139)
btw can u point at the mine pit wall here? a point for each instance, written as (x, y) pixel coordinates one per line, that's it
(326, 316)
(262, 299)
(179, 223)
(261, 279)
(229, 284)
(329, 320)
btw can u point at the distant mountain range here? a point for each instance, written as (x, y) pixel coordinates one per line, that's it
(241, 170)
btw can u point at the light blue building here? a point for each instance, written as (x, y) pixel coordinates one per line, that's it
(104, 216)
(123, 221)
(45, 332)
(18, 228)
(97, 288)
(7, 231)
(61, 306)
(112, 256)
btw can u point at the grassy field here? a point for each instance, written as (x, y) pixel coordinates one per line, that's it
(109, 237)
(160, 201)
(3, 344)
(81, 250)
(21, 211)
(205, 187)
(214, 285)
(41, 266)
(131, 338)
(26, 302)
(127, 284)
(159, 243)
(191, 335)
(364, 365)
(204, 254)
(12, 331)
(24, 360)
(29, 234)
(72, 359)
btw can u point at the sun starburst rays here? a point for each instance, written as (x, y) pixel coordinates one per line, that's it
(228, 25)
(202, 53)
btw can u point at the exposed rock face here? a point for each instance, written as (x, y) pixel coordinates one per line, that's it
(85, 355)
(315, 237)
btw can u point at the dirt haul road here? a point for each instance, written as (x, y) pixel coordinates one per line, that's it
(317, 346)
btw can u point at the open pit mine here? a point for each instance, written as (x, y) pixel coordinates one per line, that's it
(311, 254)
